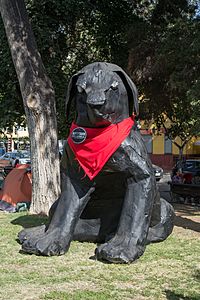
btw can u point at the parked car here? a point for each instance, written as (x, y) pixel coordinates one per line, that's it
(158, 171)
(12, 158)
(2, 151)
(187, 166)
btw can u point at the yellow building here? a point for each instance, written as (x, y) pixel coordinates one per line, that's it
(14, 139)
(164, 152)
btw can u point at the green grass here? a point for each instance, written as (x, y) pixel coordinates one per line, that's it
(168, 270)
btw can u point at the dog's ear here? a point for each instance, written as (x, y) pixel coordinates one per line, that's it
(131, 91)
(69, 103)
(130, 87)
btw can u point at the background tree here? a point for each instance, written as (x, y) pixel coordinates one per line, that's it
(39, 104)
(65, 36)
(163, 47)
(165, 63)
(11, 105)
(69, 35)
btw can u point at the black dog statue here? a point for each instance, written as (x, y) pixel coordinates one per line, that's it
(109, 193)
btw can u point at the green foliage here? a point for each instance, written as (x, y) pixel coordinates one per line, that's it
(69, 35)
(179, 58)
(165, 63)
(11, 106)
(161, 39)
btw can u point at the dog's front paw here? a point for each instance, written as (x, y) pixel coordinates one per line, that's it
(49, 244)
(119, 250)
(29, 233)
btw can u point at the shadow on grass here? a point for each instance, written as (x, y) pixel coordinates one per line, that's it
(174, 296)
(186, 209)
(30, 221)
(187, 223)
(197, 275)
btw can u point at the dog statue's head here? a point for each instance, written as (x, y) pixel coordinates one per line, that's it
(101, 94)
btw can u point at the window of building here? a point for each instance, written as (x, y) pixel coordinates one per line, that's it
(168, 146)
(148, 142)
(21, 128)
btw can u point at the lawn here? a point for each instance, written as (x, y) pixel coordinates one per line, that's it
(168, 270)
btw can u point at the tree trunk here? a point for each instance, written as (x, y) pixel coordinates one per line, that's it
(180, 156)
(180, 149)
(39, 103)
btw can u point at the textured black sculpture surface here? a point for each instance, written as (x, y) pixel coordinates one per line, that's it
(119, 206)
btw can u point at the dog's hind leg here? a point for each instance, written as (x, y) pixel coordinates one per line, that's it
(160, 231)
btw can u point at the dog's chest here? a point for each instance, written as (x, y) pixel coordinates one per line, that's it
(108, 197)
(119, 161)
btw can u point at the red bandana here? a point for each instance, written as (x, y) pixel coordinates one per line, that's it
(100, 143)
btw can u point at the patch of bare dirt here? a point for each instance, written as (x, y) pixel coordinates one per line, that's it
(187, 218)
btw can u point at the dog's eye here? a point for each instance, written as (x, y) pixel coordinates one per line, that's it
(80, 89)
(114, 85)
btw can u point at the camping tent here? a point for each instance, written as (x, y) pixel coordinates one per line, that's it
(16, 190)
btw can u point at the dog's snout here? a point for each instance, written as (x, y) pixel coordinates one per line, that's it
(96, 102)
(96, 99)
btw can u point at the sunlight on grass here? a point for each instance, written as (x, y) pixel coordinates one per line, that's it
(168, 270)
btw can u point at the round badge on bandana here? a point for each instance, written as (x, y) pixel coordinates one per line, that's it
(78, 135)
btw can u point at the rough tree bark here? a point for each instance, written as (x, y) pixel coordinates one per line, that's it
(39, 103)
